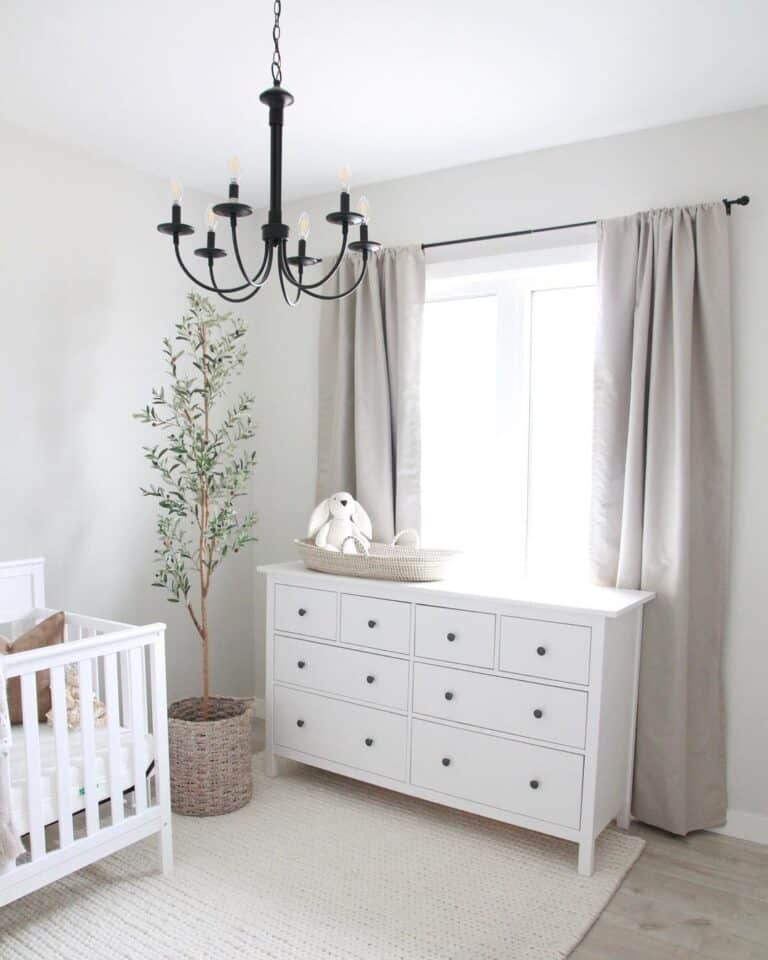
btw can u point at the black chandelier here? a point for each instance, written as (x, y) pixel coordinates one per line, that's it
(274, 233)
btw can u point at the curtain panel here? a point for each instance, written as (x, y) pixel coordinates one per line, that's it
(662, 486)
(369, 434)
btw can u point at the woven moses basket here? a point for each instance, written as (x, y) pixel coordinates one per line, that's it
(381, 562)
(210, 759)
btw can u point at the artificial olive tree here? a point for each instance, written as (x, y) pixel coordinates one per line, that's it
(201, 461)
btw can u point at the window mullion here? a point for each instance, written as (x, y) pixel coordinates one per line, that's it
(512, 374)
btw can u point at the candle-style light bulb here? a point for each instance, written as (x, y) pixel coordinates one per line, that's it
(304, 225)
(364, 208)
(344, 179)
(177, 191)
(234, 169)
(211, 218)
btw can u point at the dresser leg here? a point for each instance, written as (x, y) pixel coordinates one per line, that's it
(587, 858)
(270, 764)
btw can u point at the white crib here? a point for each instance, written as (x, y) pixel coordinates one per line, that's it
(61, 780)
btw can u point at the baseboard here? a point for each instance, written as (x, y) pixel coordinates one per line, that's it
(259, 708)
(745, 826)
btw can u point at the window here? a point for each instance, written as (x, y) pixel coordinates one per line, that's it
(507, 411)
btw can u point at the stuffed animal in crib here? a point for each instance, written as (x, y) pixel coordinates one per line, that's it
(72, 696)
(339, 523)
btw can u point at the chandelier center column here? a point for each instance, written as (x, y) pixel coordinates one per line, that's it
(277, 100)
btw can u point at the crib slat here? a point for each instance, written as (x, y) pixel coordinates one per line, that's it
(146, 686)
(63, 777)
(89, 747)
(32, 753)
(98, 679)
(88, 633)
(113, 736)
(125, 688)
(138, 728)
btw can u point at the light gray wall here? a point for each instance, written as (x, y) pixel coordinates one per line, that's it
(702, 160)
(87, 290)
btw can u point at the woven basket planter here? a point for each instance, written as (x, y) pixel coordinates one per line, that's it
(210, 759)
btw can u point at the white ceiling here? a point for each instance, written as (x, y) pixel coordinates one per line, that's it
(390, 87)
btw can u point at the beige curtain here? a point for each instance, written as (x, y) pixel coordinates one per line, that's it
(370, 359)
(661, 490)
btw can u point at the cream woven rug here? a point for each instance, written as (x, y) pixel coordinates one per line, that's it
(323, 868)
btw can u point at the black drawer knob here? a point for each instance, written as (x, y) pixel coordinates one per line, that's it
(538, 713)
(301, 664)
(448, 695)
(302, 612)
(299, 723)
(450, 637)
(369, 741)
(370, 678)
(534, 784)
(541, 651)
(446, 761)
(371, 624)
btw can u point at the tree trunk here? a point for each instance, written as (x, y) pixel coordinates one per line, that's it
(204, 618)
(205, 547)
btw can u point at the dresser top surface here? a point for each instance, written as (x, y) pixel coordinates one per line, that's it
(586, 599)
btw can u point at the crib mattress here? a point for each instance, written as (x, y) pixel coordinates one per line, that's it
(77, 780)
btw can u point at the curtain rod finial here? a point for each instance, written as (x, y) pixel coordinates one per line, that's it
(742, 201)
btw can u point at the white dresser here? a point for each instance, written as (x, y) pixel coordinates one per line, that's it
(509, 701)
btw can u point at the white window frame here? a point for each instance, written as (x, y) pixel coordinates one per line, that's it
(513, 279)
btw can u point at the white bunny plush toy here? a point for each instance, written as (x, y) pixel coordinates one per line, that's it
(338, 523)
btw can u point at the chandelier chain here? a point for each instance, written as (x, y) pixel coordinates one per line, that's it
(277, 63)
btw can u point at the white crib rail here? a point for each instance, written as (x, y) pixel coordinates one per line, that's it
(125, 667)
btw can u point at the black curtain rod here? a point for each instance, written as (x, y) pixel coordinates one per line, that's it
(739, 201)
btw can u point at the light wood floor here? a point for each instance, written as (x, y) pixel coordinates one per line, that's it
(704, 897)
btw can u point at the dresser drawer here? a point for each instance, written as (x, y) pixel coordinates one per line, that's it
(307, 611)
(532, 781)
(345, 733)
(370, 622)
(458, 636)
(540, 648)
(499, 703)
(348, 673)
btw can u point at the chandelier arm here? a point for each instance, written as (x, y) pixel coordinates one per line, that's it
(318, 283)
(284, 268)
(248, 296)
(261, 274)
(200, 283)
(286, 297)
